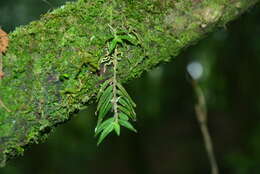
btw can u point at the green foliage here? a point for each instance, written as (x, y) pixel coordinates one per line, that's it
(113, 99)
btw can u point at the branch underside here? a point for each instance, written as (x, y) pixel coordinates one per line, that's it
(52, 67)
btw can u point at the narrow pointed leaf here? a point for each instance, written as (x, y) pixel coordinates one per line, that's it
(105, 92)
(127, 112)
(104, 110)
(127, 125)
(124, 110)
(130, 39)
(124, 92)
(104, 102)
(103, 125)
(123, 116)
(126, 99)
(119, 40)
(117, 128)
(105, 132)
(124, 103)
(98, 123)
(105, 97)
(102, 88)
(112, 46)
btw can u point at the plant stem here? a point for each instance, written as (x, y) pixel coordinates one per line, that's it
(201, 114)
(114, 100)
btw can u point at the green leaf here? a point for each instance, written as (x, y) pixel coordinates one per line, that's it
(112, 46)
(123, 116)
(114, 43)
(127, 112)
(127, 105)
(105, 132)
(119, 40)
(130, 39)
(124, 93)
(103, 125)
(127, 125)
(124, 110)
(117, 128)
(104, 102)
(105, 97)
(126, 102)
(103, 87)
(104, 110)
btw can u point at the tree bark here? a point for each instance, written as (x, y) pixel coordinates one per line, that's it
(52, 67)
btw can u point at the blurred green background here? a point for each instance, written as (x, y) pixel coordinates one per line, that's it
(169, 139)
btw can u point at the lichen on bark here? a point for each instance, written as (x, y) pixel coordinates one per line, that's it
(52, 65)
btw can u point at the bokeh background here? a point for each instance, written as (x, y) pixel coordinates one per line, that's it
(169, 139)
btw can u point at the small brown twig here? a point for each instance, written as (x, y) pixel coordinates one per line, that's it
(201, 114)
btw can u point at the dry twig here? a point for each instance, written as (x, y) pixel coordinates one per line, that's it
(201, 114)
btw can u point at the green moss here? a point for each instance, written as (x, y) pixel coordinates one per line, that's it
(52, 65)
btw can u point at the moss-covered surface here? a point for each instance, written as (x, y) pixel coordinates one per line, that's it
(52, 65)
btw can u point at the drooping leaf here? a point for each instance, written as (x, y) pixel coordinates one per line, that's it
(104, 102)
(105, 92)
(124, 93)
(124, 101)
(102, 88)
(127, 125)
(117, 128)
(124, 110)
(103, 125)
(105, 132)
(127, 105)
(123, 116)
(127, 112)
(104, 110)
(105, 97)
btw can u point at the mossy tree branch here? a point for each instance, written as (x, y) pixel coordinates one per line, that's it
(52, 65)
